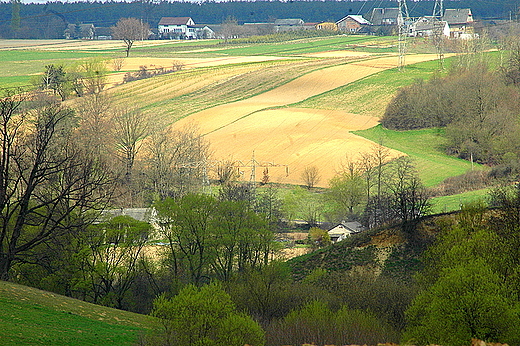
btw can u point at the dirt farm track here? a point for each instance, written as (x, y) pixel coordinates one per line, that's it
(267, 127)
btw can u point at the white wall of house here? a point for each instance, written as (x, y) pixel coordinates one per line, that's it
(178, 30)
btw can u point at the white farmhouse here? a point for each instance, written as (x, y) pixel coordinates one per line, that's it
(427, 26)
(177, 28)
(343, 230)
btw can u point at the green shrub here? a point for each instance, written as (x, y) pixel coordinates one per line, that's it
(205, 316)
(316, 323)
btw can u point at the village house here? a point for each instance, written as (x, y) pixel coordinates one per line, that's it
(177, 28)
(460, 21)
(203, 31)
(426, 27)
(343, 230)
(80, 31)
(290, 24)
(384, 16)
(326, 26)
(352, 23)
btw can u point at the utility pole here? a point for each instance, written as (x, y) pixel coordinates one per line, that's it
(402, 18)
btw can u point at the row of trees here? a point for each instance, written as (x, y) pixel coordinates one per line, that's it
(60, 164)
(210, 238)
(63, 166)
(79, 79)
(378, 190)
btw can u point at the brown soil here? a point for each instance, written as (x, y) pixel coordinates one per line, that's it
(293, 137)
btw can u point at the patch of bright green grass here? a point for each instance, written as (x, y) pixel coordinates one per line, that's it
(425, 147)
(32, 317)
(14, 81)
(454, 202)
(19, 65)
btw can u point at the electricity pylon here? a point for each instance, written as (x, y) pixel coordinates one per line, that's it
(438, 28)
(402, 18)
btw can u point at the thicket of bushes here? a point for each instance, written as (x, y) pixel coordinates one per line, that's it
(479, 108)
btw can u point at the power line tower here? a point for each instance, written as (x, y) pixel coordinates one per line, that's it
(253, 164)
(438, 9)
(402, 19)
(438, 29)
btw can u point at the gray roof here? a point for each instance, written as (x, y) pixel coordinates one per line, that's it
(384, 16)
(458, 16)
(289, 21)
(175, 20)
(140, 214)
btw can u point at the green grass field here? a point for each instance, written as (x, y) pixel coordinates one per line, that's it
(19, 65)
(304, 46)
(425, 147)
(454, 202)
(32, 317)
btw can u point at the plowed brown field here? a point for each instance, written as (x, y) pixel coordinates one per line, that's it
(292, 137)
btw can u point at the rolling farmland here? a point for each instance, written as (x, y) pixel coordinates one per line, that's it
(292, 105)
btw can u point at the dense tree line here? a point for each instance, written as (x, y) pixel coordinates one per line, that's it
(50, 20)
(377, 190)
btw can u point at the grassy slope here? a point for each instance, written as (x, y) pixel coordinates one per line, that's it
(449, 203)
(33, 317)
(304, 46)
(426, 148)
(385, 251)
(237, 82)
(368, 96)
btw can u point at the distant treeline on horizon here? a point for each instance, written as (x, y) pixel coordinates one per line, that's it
(105, 14)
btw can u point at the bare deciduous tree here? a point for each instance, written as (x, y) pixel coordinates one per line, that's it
(226, 172)
(130, 30)
(47, 185)
(408, 197)
(118, 63)
(230, 29)
(177, 65)
(176, 161)
(94, 73)
(95, 126)
(131, 127)
(311, 176)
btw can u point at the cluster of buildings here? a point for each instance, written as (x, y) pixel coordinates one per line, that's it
(455, 23)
